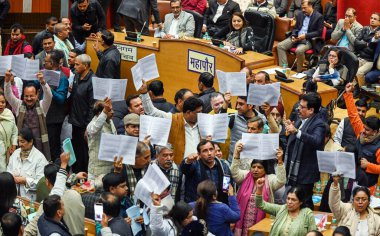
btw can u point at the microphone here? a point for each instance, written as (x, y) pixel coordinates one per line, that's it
(142, 27)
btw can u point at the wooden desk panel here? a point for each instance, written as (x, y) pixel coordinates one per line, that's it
(172, 62)
(291, 92)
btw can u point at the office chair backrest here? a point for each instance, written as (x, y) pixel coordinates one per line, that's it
(198, 18)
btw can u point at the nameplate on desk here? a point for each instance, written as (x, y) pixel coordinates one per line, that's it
(128, 53)
(200, 62)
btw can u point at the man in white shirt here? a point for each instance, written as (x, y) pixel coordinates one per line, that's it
(178, 22)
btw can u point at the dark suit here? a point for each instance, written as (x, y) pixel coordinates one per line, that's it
(329, 15)
(220, 28)
(136, 12)
(314, 29)
(312, 138)
(374, 75)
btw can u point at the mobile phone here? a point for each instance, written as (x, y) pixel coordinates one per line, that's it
(226, 182)
(98, 209)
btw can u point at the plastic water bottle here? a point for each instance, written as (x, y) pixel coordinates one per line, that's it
(318, 187)
(206, 36)
(377, 192)
(138, 37)
(284, 68)
(333, 223)
(31, 209)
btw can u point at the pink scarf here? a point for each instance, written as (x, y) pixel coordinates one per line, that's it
(243, 196)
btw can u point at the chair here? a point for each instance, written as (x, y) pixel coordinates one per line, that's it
(263, 26)
(163, 8)
(198, 18)
(312, 55)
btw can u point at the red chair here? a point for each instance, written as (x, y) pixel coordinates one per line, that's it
(312, 55)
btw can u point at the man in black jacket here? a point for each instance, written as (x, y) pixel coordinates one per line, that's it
(88, 18)
(329, 18)
(156, 93)
(37, 41)
(364, 52)
(81, 113)
(309, 25)
(109, 58)
(217, 18)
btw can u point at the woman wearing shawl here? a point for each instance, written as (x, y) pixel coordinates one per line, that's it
(8, 133)
(249, 213)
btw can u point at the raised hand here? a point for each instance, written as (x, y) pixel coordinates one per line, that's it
(117, 164)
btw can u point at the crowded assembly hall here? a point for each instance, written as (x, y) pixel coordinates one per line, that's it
(190, 117)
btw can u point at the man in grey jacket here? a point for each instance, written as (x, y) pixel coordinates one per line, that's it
(178, 22)
(347, 30)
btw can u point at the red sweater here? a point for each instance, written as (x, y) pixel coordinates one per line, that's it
(195, 5)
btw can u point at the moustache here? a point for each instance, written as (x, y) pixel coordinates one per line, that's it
(168, 162)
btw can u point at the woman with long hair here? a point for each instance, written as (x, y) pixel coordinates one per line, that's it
(8, 197)
(241, 35)
(27, 165)
(8, 133)
(293, 218)
(172, 224)
(217, 215)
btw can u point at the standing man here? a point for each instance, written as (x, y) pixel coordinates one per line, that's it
(61, 38)
(88, 18)
(347, 30)
(109, 58)
(368, 34)
(17, 44)
(101, 123)
(309, 25)
(56, 114)
(178, 22)
(205, 85)
(31, 112)
(48, 45)
(306, 136)
(156, 93)
(217, 18)
(71, 60)
(49, 28)
(82, 102)
(136, 15)
(295, 7)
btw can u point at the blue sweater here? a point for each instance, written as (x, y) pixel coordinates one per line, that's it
(220, 215)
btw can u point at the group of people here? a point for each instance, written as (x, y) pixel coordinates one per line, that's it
(36, 117)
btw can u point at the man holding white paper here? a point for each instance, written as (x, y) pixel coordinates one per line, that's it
(31, 112)
(56, 114)
(101, 123)
(184, 134)
(145, 70)
(307, 136)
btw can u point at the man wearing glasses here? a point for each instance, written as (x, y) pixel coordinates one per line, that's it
(347, 30)
(365, 46)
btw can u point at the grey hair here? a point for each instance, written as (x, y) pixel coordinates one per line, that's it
(141, 148)
(216, 94)
(256, 119)
(160, 148)
(59, 27)
(85, 59)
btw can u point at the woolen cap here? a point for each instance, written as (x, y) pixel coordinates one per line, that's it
(131, 119)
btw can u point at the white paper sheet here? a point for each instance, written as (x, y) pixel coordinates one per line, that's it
(272, 71)
(158, 129)
(18, 66)
(259, 146)
(214, 125)
(259, 94)
(146, 69)
(52, 77)
(32, 67)
(118, 145)
(5, 64)
(343, 162)
(155, 181)
(233, 82)
(299, 75)
(112, 88)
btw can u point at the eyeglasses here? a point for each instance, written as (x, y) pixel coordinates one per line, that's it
(348, 16)
(358, 199)
(301, 107)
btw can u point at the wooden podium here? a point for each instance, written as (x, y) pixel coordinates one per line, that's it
(173, 61)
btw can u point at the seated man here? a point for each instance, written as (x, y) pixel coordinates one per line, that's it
(374, 75)
(368, 34)
(178, 23)
(217, 19)
(309, 25)
(17, 44)
(347, 30)
(263, 6)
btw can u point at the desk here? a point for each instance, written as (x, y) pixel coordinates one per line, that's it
(172, 61)
(265, 225)
(291, 92)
